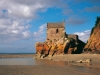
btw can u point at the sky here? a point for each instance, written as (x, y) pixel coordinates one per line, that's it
(23, 22)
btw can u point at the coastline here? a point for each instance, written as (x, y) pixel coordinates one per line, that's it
(59, 67)
(17, 55)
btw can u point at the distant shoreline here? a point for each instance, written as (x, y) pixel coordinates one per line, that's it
(17, 55)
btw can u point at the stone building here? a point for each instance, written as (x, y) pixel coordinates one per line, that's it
(58, 42)
(55, 31)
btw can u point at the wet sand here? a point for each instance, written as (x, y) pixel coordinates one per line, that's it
(55, 67)
(48, 70)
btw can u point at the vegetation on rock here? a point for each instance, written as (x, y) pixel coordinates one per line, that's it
(96, 24)
(93, 44)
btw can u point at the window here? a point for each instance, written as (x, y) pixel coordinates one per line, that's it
(56, 30)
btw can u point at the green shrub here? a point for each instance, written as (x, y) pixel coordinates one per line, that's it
(96, 24)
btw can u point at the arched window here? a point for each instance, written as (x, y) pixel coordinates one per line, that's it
(56, 30)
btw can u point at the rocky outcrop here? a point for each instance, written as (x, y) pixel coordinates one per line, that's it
(93, 44)
(58, 42)
(57, 47)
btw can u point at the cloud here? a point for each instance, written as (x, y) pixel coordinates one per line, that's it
(24, 9)
(84, 36)
(39, 34)
(16, 14)
(11, 31)
(76, 20)
(93, 9)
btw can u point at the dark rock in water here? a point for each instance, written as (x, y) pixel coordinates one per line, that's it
(93, 44)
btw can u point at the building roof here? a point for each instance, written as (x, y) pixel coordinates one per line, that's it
(55, 25)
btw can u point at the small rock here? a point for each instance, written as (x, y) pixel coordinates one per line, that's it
(88, 60)
(79, 61)
(84, 61)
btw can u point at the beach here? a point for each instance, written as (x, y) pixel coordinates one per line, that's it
(57, 65)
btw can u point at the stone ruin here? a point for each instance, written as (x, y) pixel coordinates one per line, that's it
(58, 42)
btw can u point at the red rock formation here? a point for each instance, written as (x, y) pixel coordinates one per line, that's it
(93, 44)
(62, 46)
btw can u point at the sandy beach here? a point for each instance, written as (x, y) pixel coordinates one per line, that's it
(47, 70)
(57, 66)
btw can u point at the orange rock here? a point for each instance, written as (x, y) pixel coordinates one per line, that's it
(93, 44)
(42, 48)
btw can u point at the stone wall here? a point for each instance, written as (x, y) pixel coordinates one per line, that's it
(55, 25)
(75, 37)
(55, 31)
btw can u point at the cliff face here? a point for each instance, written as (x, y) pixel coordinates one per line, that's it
(93, 44)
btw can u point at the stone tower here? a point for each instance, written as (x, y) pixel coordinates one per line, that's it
(55, 31)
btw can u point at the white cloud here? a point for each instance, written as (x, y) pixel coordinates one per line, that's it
(84, 36)
(39, 34)
(11, 31)
(16, 14)
(26, 34)
(24, 9)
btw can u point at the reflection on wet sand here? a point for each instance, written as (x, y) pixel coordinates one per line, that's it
(49, 62)
(68, 68)
(64, 63)
(86, 68)
(17, 61)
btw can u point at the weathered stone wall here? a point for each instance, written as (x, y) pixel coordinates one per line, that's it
(55, 33)
(56, 25)
(75, 37)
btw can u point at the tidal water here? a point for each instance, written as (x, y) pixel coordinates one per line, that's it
(30, 61)
(33, 61)
(17, 61)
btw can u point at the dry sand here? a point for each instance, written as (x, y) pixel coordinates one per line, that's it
(57, 67)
